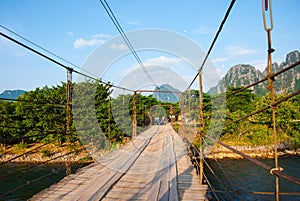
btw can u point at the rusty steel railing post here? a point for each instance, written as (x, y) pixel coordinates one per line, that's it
(201, 128)
(68, 114)
(134, 115)
(182, 116)
(171, 113)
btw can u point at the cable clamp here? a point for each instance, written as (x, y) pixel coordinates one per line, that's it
(280, 169)
(271, 50)
(273, 106)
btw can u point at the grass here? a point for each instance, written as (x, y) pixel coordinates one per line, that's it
(20, 148)
(46, 153)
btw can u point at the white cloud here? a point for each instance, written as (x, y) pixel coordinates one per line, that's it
(130, 22)
(221, 59)
(97, 39)
(103, 36)
(260, 64)
(239, 51)
(118, 47)
(233, 54)
(203, 30)
(156, 61)
(162, 61)
(82, 43)
(70, 33)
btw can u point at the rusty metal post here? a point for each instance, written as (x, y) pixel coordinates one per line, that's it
(134, 115)
(201, 128)
(182, 116)
(68, 114)
(123, 109)
(109, 112)
(202, 125)
(171, 113)
(189, 103)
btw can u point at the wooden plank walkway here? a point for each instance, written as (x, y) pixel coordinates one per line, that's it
(153, 166)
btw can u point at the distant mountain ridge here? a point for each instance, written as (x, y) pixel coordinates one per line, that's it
(11, 94)
(245, 74)
(166, 96)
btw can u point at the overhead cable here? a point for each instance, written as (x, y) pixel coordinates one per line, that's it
(266, 78)
(59, 63)
(39, 178)
(44, 49)
(213, 42)
(125, 38)
(31, 101)
(255, 161)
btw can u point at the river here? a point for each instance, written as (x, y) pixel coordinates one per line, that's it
(33, 177)
(243, 175)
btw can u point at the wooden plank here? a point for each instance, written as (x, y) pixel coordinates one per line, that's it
(153, 166)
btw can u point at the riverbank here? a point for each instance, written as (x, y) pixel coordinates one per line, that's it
(266, 151)
(51, 153)
(45, 153)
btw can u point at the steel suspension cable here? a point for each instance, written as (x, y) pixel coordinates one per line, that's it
(274, 104)
(210, 186)
(223, 171)
(26, 184)
(217, 178)
(221, 167)
(238, 192)
(27, 152)
(29, 136)
(44, 49)
(37, 179)
(125, 38)
(31, 101)
(59, 63)
(47, 161)
(255, 161)
(213, 42)
(293, 65)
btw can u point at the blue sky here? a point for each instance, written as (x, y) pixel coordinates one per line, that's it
(74, 29)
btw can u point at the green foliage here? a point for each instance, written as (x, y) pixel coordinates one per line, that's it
(46, 153)
(36, 116)
(176, 126)
(258, 129)
(242, 101)
(20, 147)
(86, 159)
(104, 114)
(255, 130)
(40, 116)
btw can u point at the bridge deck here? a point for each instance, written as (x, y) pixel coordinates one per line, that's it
(153, 166)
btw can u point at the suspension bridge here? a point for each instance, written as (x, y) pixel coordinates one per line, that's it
(157, 163)
(153, 166)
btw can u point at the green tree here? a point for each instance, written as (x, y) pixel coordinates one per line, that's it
(287, 114)
(243, 101)
(104, 114)
(41, 113)
(8, 127)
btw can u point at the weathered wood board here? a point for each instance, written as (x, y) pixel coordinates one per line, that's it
(153, 166)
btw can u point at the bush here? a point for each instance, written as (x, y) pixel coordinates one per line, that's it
(46, 153)
(20, 148)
